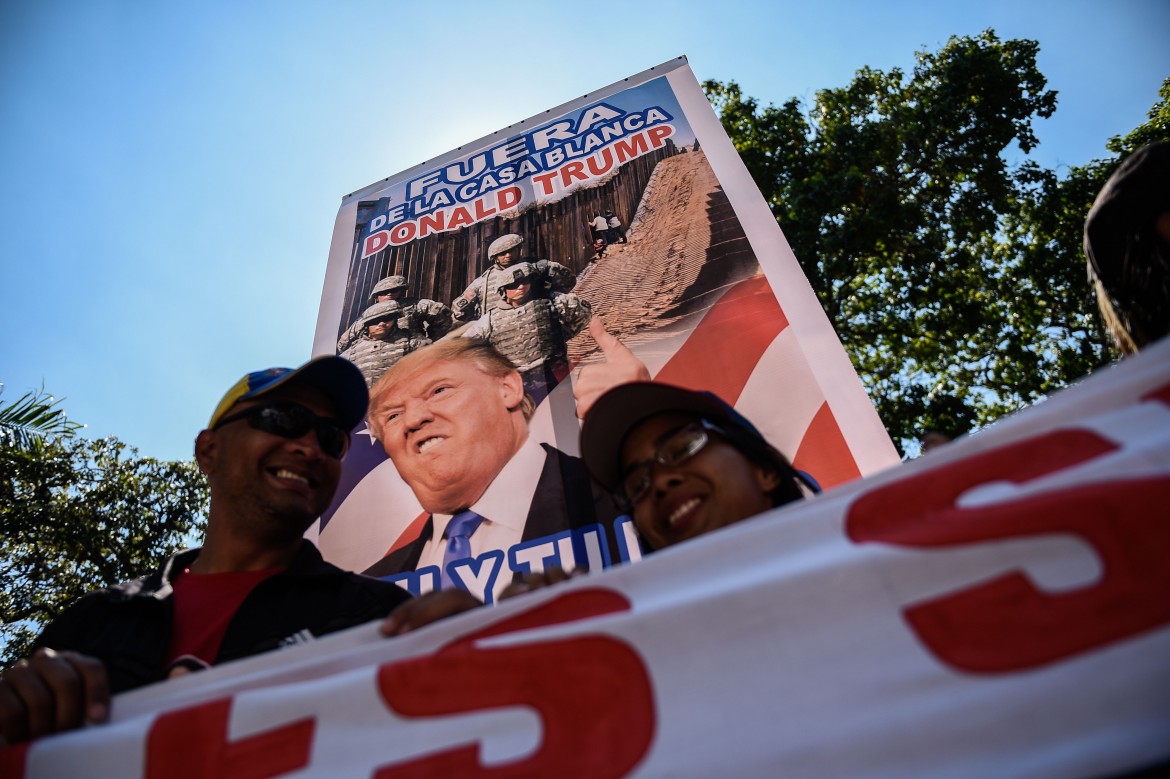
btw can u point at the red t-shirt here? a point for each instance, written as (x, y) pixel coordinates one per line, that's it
(204, 605)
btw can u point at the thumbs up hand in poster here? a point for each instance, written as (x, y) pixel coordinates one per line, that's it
(620, 367)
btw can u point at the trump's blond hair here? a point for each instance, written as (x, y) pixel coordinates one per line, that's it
(475, 350)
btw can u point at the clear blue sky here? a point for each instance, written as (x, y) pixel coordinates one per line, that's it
(170, 172)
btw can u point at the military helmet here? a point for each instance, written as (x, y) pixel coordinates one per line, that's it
(388, 284)
(381, 311)
(503, 244)
(515, 273)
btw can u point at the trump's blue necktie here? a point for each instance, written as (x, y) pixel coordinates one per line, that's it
(458, 534)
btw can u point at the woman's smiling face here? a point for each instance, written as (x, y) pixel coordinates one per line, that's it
(715, 487)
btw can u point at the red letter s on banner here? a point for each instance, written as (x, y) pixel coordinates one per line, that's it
(1006, 623)
(592, 694)
(192, 742)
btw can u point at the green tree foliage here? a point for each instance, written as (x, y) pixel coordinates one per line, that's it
(1157, 128)
(953, 277)
(79, 514)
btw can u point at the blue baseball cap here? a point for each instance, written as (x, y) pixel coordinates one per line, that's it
(338, 378)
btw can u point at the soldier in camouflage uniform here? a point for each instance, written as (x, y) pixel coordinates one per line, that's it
(530, 326)
(381, 342)
(481, 295)
(420, 318)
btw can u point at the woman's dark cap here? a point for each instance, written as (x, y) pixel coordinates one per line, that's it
(624, 407)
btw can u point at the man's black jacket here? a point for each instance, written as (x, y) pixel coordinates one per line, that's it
(128, 627)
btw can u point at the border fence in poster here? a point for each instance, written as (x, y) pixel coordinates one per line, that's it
(629, 206)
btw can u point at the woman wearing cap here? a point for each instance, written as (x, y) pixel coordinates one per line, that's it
(685, 462)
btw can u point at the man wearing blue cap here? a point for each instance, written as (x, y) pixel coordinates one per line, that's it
(272, 456)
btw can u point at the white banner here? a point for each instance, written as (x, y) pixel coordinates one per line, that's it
(997, 609)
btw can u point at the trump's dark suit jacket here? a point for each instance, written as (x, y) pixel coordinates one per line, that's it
(565, 498)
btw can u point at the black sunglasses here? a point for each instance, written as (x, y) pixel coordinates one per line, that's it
(292, 420)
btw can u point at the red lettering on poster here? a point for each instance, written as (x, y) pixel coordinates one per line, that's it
(592, 694)
(403, 233)
(658, 135)
(573, 171)
(375, 243)
(192, 742)
(1005, 623)
(600, 163)
(506, 198)
(482, 211)
(631, 148)
(432, 223)
(545, 182)
(460, 217)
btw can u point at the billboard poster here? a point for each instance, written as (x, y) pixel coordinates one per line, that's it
(624, 213)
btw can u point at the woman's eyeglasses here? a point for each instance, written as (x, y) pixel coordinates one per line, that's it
(291, 420)
(673, 448)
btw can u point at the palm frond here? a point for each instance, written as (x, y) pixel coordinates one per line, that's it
(36, 416)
